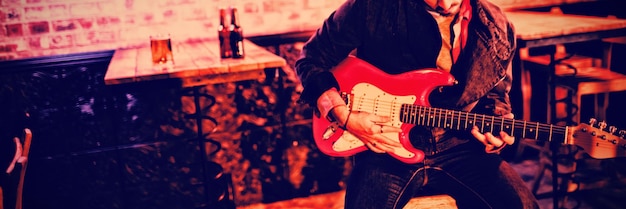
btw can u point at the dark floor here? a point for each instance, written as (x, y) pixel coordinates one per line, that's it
(598, 191)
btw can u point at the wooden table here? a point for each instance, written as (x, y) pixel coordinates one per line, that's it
(535, 29)
(526, 4)
(538, 29)
(195, 63)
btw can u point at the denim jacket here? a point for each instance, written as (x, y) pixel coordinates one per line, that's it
(397, 36)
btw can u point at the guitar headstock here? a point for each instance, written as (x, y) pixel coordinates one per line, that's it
(597, 142)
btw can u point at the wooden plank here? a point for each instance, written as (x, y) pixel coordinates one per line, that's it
(525, 4)
(434, 201)
(269, 60)
(234, 65)
(594, 73)
(538, 25)
(213, 46)
(613, 85)
(206, 60)
(146, 71)
(184, 65)
(223, 78)
(122, 67)
(335, 200)
(240, 65)
(265, 58)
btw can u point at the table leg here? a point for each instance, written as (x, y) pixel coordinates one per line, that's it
(216, 183)
(517, 93)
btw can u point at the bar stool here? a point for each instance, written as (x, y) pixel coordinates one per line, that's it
(15, 185)
(433, 201)
(575, 76)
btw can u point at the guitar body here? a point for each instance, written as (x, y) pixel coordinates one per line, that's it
(372, 90)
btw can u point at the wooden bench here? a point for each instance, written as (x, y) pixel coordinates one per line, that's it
(434, 201)
(526, 4)
(335, 200)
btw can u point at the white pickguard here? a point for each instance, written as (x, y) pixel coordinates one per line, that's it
(371, 99)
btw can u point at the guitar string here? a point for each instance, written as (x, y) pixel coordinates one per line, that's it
(374, 104)
(452, 114)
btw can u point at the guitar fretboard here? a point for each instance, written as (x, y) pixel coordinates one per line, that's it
(459, 120)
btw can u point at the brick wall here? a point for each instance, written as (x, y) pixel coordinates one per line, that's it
(31, 28)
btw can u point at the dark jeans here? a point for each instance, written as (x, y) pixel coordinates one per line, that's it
(472, 177)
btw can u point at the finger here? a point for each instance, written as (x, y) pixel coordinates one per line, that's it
(389, 142)
(375, 129)
(507, 138)
(489, 148)
(375, 147)
(509, 115)
(497, 142)
(390, 129)
(381, 119)
(479, 136)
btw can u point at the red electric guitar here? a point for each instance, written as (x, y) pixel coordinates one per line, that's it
(404, 98)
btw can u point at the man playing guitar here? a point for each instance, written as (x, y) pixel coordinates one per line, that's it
(416, 44)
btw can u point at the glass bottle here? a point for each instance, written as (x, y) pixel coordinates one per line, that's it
(223, 33)
(236, 34)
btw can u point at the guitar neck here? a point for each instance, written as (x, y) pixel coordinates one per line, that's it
(459, 120)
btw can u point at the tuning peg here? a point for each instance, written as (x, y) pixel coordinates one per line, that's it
(602, 125)
(612, 129)
(592, 122)
(622, 133)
